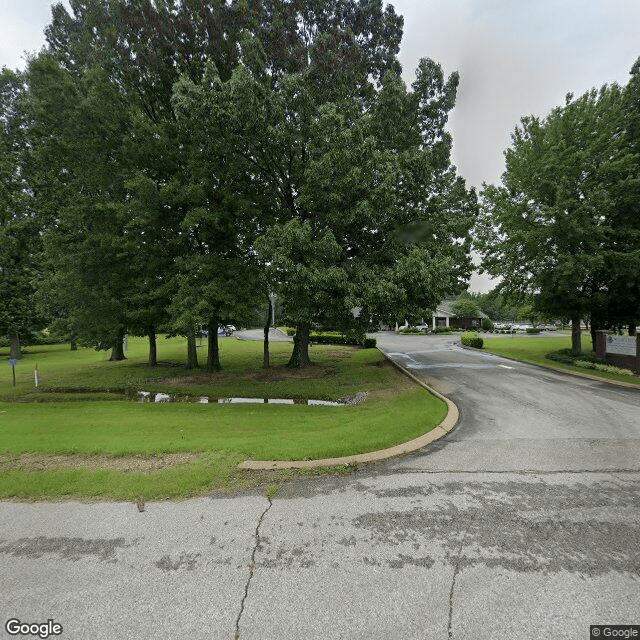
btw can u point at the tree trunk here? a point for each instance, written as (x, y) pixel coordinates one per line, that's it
(593, 328)
(117, 352)
(192, 354)
(153, 347)
(74, 342)
(576, 337)
(632, 329)
(300, 355)
(213, 352)
(265, 350)
(15, 351)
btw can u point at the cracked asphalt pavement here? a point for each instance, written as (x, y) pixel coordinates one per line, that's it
(523, 523)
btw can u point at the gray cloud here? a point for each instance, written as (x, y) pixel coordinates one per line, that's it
(22, 26)
(516, 58)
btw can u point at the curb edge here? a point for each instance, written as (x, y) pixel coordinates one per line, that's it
(439, 431)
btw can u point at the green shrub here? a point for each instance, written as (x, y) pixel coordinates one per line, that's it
(557, 356)
(328, 337)
(290, 331)
(487, 324)
(600, 366)
(410, 331)
(566, 357)
(471, 339)
(587, 360)
(532, 330)
(353, 338)
(443, 330)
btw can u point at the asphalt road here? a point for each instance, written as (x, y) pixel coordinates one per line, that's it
(522, 524)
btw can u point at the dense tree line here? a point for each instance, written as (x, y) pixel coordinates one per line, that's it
(564, 227)
(170, 165)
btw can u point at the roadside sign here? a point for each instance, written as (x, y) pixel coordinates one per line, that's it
(12, 363)
(621, 345)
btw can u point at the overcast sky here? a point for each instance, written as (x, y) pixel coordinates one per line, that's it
(515, 57)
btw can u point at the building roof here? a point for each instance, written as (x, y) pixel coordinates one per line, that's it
(443, 310)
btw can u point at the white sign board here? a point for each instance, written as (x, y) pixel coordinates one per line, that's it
(622, 345)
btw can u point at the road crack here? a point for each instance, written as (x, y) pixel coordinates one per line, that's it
(252, 567)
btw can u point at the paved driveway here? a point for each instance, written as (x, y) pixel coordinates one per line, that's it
(522, 524)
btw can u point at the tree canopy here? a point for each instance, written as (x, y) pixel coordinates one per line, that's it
(187, 160)
(564, 226)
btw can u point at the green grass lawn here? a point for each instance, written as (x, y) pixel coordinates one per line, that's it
(533, 349)
(69, 417)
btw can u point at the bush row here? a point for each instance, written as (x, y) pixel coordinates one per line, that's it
(599, 366)
(411, 331)
(586, 361)
(351, 338)
(566, 357)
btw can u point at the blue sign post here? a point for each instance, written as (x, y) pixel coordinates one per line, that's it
(12, 363)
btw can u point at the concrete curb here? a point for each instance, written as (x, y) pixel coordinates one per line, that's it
(575, 374)
(449, 422)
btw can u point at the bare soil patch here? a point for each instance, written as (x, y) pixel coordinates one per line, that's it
(139, 464)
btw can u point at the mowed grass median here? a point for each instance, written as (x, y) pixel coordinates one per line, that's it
(534, 349)
(78, 436)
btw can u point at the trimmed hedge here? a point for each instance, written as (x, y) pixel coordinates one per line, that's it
(532, 330)
(351, 338)
(470, 339)
(443, 330)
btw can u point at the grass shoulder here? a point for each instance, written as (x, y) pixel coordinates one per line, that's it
(535, 349)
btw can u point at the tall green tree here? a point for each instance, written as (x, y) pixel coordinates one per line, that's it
(143, 48)
(20, 269)
(362, 206)
(76, 131)
(558, 228)
(465, 307)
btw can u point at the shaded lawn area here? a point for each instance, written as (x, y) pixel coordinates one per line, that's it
(338, 372)
(79, 423)
(533, 349)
